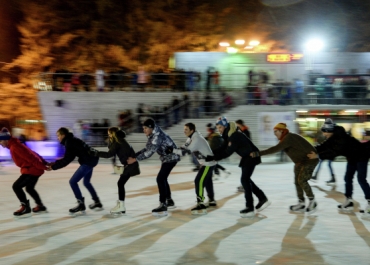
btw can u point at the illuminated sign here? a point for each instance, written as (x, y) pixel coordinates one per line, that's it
(283, 57)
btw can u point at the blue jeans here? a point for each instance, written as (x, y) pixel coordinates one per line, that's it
(361, 168)
(319, 166)
(85, 172)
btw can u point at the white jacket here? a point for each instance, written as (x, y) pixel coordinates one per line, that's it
(199, 147)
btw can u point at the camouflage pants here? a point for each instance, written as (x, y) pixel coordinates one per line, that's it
(302, 173)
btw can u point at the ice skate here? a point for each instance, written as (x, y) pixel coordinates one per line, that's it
(347, 206)
(248, 212)
(366, 212)
(160, 211)
(331, 182)
(119, 209)
(211, 203)
(312, 207)
(313, 178)
(298, 208)
(240, 188)
(262, 204)
(170, 204)
(200, 209)
(39, 209)
(96, 206)
(79, 209)
(24, 211)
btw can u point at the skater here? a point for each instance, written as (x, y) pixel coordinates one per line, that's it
(243, 128)
(119, 146)
(198, 146)
(76, 147)
(32, 167)
(159, 141)
(340, 143)
(330, 182)
(215, 141)
(243, 146)
(297, 148)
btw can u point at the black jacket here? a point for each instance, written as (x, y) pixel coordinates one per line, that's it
(75, 147)
(341, 144)
(123, 151)
(243, 146)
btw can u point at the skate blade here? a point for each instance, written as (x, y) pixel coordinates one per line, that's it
(298, 211)
(248, 215)
(27, 215)
(347, 210)
(171, 207)
(311, 212)
(331, 184)
(264, 206)
(160, 214)
(199, 212)
(117, 213)
(80, 213)
(40, 212)
(365, 215)
(98, 209)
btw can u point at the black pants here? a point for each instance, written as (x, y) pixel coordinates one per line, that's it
(162, 182)
(204, 179)
(250, 187)
(121, 186)
(28, 181)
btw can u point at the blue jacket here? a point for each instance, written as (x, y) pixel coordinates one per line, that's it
(157, 142)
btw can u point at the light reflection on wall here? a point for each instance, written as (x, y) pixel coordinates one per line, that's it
(46, 149)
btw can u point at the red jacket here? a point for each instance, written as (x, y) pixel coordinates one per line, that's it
(29, 161)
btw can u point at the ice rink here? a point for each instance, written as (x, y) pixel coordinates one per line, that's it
(274, 236)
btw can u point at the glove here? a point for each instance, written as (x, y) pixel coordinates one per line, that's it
(168, 150)
(210, 158)
(185, 151)
(255, 154)
(93, 152)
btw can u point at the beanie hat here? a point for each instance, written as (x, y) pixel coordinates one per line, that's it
(150, 123)
(210, 127)
(121, 134)
(4, 134)
(222, 121)
(280, 126)
(328, 126)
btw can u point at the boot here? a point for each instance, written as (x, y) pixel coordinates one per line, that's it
(161, 210)
(331, 182)
(40, 208)
(119, 208)
(200, 208)
(97, 206)
(79, 208)
(25, 209)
